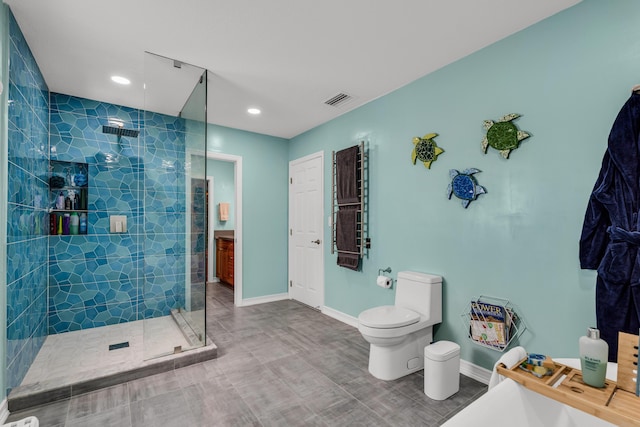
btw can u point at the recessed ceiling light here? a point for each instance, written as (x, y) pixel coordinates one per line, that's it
(121, 80)
(254, 111)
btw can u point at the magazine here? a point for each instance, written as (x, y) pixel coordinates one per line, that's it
(490, 324)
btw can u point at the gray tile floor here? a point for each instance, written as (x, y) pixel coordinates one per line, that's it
(279, 364)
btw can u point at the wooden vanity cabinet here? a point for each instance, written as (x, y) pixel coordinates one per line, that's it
(224, 260)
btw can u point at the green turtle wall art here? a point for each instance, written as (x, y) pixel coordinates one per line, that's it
(464, 186)
(426, 150)
(503, 135)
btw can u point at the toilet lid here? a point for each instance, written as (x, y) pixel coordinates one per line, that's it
(388, 316)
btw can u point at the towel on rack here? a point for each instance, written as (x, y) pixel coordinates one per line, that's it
(510, 359)
(223, 211)
(347, 173)
(347, 237)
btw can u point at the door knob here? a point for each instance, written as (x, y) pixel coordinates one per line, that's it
(317, 241)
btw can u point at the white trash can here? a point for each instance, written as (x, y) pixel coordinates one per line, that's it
(441, 369)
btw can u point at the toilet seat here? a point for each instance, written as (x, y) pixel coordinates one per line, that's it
(387, 317)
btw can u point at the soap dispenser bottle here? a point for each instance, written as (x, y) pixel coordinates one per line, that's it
(594, 353)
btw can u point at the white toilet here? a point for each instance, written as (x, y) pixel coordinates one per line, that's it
(399, 333)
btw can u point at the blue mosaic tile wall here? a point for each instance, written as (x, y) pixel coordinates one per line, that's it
(102, 278)
(165, 214)
(28, 118)
(95, 278)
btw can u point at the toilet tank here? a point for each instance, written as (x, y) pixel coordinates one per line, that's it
(421, 293)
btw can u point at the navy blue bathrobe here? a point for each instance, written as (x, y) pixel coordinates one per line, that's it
(611, 233)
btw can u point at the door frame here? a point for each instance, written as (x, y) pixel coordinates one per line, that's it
(292, 163)
(237, 217)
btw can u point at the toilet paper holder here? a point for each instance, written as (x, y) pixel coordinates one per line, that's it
(386, 270)
(383, 280)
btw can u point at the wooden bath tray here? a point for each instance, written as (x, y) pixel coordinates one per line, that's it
(616, 402)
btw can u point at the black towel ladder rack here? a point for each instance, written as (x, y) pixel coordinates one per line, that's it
(362, 240)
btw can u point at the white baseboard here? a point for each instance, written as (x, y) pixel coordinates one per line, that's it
(468, 369)
(4, 411)
(338, 315)
(476, 372)
(261, 300)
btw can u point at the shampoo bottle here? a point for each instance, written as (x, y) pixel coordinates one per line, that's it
(66, 220)
(60, 201)
(74, 223)
(594, 353)
(52, 224)
(83, 223)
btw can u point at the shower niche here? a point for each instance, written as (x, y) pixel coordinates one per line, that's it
(68, 198)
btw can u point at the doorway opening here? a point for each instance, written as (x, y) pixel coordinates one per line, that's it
(224, 228)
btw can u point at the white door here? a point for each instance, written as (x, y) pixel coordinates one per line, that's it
(306, 231)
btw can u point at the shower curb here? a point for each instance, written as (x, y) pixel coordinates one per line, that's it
(23, 397)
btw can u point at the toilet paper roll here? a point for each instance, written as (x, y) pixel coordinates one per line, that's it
(384, 282)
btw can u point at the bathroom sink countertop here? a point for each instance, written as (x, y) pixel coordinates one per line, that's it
(224, 234)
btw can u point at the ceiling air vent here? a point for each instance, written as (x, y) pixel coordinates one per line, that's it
(339, 99)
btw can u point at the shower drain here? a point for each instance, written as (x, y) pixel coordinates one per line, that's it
(119, 345)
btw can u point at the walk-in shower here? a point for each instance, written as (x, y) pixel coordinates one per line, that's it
(128, 295)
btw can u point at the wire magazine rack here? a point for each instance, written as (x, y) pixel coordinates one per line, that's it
(492, 322)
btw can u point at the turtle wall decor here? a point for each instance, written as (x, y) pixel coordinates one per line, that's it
(464, 186)
(503, 135)
(426, 150)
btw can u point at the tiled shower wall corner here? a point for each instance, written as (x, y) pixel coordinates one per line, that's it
(103, 278)
(28, 119)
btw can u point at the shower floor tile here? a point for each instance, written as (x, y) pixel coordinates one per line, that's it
(89, 350)
(80, 358)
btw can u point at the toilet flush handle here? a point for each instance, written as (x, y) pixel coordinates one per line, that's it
(317, 241)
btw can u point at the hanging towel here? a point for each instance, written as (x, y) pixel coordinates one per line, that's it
(223, 211)
(346, 237)
(347, 173)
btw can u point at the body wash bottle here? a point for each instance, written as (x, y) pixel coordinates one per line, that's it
(74, 223)
(594, 353)
(82, 229)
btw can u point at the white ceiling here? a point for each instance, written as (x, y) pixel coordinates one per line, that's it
(284, 56)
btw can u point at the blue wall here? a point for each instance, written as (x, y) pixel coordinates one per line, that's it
(568, 76)
(223, 191)
(28, 162)
(264, 206)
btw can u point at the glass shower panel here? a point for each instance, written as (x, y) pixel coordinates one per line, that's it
(172, 297)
